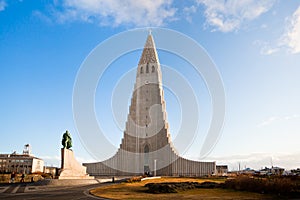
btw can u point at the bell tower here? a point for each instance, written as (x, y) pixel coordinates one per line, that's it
(146, 146)
(146, 127)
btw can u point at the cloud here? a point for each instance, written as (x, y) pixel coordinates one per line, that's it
(115, 12)
(260, 160)
(188, 11)
(2, 5)
(229, 15)
(291, 37)
(268, 121)
(85, 160)
(42, 16)
(266, 48)
(51, 160)
(221, 15)
(276, 119)
(55, 160)
(289, 40)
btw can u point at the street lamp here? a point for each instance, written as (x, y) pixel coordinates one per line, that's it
(155, 167)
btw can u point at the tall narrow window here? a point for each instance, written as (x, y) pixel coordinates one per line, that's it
(147, 68)
(153, 68)
(141, 70)
(146, 149)
(146, 160)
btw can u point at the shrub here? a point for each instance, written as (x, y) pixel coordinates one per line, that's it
(278, 185)
(173, 187)
(208, 185)
(134, 179)
(158, 188)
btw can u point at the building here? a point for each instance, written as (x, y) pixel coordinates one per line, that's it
(146, 146)
(248, 171)
(295, 172)
(271, 171)
(221, 170)
(20, 163)
(51, 170)
(277, 171)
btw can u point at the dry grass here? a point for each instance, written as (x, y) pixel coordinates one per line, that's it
(138, 191)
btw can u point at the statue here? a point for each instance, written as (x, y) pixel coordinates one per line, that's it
(66, 140)
(70, 167)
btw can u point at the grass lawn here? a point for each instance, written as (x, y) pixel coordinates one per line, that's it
(138, 191)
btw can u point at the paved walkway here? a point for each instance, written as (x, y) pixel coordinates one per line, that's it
(30, 191)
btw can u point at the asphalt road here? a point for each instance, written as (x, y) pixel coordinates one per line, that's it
(29, 191)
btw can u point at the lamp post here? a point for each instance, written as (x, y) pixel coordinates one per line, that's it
(155, 167)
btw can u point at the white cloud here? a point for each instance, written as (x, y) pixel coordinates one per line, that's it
(85, 160)
(276, 119)
(291, 38)
(188, 11)
(266, 49)
(229, 15)
(115, 12)
(41, 16)
(2, 5)
(260, 160)
(221, 15)
(268, 121)
(56, 160)
(51, 160)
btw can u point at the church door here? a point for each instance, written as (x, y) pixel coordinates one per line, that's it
(146, 160)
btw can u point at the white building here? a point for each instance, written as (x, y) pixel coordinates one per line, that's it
(20, 163)
(146, 146)
(221, 170)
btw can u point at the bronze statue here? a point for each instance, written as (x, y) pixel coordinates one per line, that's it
(66, 140)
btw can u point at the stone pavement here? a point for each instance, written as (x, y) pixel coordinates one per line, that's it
(31, 191)
(23, 188)
(55, 189)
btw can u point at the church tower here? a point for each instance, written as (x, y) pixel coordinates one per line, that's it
(147, 130)
(146, 146)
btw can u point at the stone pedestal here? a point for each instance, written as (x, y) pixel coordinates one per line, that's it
(70, 168)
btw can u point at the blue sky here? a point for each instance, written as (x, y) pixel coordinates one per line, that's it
(254, 44)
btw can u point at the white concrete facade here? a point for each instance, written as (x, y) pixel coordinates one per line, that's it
(146, 146)
(20, 163)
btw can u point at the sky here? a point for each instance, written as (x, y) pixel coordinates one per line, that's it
(255, 46)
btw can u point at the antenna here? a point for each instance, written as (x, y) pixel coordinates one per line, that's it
(27, 149)
(271, 162)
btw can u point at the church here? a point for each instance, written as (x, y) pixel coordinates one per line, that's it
(146, 146)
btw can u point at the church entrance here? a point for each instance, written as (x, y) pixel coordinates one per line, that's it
(146, 160)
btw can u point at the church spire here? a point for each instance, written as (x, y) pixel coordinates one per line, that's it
(149, 54)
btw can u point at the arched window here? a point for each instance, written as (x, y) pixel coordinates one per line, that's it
(153, 68)
(147, 68)
(141, 70)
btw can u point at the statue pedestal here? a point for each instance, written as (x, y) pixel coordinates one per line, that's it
(70, 168)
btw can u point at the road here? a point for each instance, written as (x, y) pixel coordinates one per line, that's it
(29, 191)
